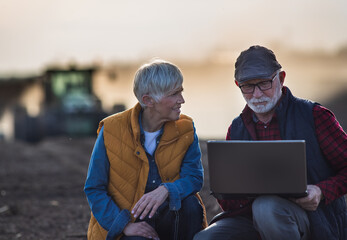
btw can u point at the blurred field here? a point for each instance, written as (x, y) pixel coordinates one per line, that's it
(41, 189)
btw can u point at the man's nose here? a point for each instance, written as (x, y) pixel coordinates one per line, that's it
(257, 92)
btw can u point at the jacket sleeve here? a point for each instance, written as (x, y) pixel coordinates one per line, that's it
(191, 176)
(104, 209)
(333, 143)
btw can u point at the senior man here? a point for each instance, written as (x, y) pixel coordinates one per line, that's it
(273, 113)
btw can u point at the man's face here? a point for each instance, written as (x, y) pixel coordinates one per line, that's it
(263, 101)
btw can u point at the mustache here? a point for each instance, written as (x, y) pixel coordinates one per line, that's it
(258, 100)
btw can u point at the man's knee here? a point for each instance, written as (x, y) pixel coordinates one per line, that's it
(201, 236)
(229, 228)
(276, 216)
(206, 234)
(264, 206)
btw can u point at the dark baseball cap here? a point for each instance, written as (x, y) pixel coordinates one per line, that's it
(257, 62)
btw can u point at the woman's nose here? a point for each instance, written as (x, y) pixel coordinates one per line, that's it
(181, 99)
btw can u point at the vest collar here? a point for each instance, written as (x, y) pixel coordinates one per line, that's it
(170, 130)
(134, 121)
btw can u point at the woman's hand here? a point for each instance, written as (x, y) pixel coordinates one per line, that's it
(150, 202)
(312, 200)
(141, 229)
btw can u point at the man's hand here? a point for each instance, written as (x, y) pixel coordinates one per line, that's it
(141, 229)
(312, 200)
(150, 202)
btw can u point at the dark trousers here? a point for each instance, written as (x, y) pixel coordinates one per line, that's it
(176, 225)
(273, 218)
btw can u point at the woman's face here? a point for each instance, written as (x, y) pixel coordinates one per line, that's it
(169, 107)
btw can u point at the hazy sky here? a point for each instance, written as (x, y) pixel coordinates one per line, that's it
(37, 32)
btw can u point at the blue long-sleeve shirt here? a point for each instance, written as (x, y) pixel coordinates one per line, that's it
(106, 211)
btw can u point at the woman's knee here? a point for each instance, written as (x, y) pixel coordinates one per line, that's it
(133, 238)
(191, 205)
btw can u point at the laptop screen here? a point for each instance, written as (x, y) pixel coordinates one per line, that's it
(252, 168)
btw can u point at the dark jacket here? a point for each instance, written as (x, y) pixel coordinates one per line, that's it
(296, 123)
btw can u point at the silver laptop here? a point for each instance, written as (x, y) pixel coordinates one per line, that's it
(252, 168)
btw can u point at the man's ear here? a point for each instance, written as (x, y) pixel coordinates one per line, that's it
(237, 84)
(147, 100)
(282, 76)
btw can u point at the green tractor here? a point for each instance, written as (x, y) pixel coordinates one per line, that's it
(70, 108)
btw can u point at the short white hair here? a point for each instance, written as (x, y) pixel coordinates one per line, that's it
(156, 79)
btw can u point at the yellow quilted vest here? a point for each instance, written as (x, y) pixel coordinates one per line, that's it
(128, 161)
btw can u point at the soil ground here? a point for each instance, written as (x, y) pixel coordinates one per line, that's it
(41, 189)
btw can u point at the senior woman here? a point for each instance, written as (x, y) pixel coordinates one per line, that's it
(145, 169)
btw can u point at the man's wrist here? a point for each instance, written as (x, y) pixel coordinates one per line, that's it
(321, 196)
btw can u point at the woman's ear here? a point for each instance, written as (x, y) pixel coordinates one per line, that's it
(147, 100)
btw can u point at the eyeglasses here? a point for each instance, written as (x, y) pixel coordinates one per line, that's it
(263, 86)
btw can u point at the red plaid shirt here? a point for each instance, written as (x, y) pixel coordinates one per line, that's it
(333, 144)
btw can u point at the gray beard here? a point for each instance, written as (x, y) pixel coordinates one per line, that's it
(271, 103)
